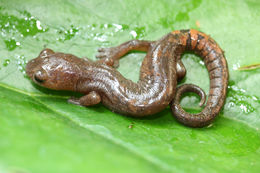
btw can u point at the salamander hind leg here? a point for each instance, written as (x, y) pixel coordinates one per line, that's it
(90, 99)
(181, 70)
(110, 56)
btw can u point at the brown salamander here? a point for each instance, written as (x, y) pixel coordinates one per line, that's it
(156, 88)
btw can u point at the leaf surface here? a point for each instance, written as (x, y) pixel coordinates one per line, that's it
(41, 132)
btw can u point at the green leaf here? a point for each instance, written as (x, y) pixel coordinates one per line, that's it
(41, 132)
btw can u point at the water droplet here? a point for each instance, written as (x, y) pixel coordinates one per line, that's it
(202, 62)
(139, 31)
(100, 37)
(118, 27)
(38, 24)
(133, 33)
(68, 34)
(236, 66)
(6, 62)
(21, 62)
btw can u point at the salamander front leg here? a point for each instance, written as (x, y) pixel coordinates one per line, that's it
(111, 56)
(90, 99)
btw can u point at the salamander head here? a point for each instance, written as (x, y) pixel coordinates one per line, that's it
(54, 70)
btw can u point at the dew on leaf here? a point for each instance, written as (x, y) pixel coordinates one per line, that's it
(133, 33)
(138, 32)
(67, 34)
(238, 97)
(21, 62)
(99, 32)
(18, 27)
(6, 62)
(118, 27)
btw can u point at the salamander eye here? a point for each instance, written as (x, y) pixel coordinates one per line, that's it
(39, 77)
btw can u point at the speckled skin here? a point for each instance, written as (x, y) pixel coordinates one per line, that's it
(156, 88)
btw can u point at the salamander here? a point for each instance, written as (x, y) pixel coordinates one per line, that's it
(156, 88)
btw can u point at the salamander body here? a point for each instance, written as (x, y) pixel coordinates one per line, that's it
(99, 81)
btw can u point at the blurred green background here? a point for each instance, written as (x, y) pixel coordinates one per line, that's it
(41, 132)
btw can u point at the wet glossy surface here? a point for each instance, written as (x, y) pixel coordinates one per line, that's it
(156, 87)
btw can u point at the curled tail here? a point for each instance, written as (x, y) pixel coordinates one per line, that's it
(215, 61)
